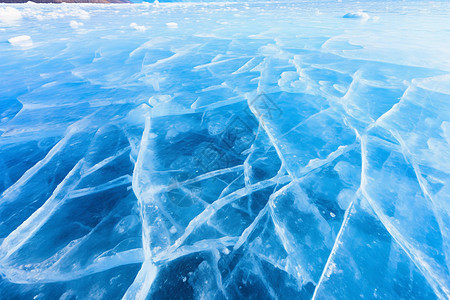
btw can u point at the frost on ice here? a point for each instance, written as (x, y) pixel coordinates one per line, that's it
(258, 151)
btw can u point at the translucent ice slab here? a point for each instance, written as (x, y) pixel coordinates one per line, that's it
(225, 150)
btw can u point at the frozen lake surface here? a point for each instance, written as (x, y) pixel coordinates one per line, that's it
(225, 151)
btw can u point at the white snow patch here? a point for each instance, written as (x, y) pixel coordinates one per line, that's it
(82, 14)
(172, 25)
(21, 41)
(140, 28)
(9, 15)
(74, 24)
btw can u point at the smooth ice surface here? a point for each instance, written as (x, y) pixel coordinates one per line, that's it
(225, 151)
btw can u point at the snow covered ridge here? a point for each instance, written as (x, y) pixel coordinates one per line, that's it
(209, 151)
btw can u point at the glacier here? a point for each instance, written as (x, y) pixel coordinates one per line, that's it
(247, 150)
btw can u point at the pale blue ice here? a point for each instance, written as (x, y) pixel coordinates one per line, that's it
(284, 150)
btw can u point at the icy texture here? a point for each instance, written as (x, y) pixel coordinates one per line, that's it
(225, 151)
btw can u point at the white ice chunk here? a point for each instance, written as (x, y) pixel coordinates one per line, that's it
(172, 25)
(9, 15)
(21, 41)
(74, 24)
(357, 15)
(140, 28)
